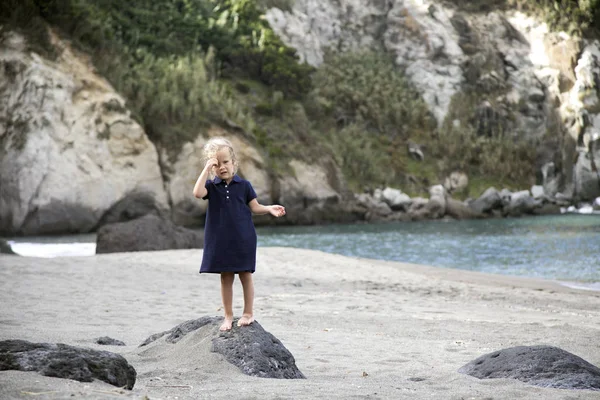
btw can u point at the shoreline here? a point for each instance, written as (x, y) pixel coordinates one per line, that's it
(590, 286)
(356, 327)
(579, 285)
(79, 245)
(583, 285)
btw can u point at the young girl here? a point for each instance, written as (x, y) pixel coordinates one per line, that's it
(229, 234)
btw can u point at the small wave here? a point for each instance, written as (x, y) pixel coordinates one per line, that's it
(51, 250)
(593, 286)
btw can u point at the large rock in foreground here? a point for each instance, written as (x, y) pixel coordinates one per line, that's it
(256, 352)
(148, 233)
(253, 350)
(544, 366)
(68, 362)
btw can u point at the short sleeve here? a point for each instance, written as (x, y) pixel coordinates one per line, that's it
(208, 185)
(250, 193)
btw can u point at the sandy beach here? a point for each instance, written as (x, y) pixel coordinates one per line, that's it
(357, 328)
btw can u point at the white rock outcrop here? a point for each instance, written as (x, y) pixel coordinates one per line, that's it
(69, 148)
(418, 33)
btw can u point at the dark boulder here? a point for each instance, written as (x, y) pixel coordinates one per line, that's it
(487, 202)
(108, 341)
(68, 362)
(253, 350)
(132, 206)
(457, 209)
(148, 233)
(544, 366)
(522, 203)
(5, 248)
(547, 209)
(256, 352)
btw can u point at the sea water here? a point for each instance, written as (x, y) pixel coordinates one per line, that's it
(565, 248)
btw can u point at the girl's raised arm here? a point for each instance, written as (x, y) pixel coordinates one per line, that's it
(199, 188)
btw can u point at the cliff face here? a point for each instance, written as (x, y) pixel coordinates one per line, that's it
(68, 147)
(529, 81)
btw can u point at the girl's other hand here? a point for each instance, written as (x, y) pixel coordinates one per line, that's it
(277, 210)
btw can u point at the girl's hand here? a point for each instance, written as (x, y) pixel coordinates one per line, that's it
(211, 163)
(277, 210)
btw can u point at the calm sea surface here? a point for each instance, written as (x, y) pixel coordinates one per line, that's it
(563, 247)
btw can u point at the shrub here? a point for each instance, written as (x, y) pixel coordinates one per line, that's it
(371, 110)
(174, 96)
(264, 109)
(360, 157)
(257, 51)
(504, 158)
(368, 85)
(24, 16)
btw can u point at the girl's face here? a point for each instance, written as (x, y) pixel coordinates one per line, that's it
(225, 168)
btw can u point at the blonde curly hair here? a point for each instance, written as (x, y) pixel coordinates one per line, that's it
(217, 143)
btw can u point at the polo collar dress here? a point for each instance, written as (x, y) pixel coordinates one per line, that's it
(229, 233)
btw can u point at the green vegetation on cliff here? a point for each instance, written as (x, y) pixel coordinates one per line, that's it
(173, 60)
(369, 111)
(184, 65)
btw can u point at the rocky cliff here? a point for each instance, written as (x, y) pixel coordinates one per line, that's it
(533, 82)
(69, 149)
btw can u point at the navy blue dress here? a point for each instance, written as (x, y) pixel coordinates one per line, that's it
(229, 234)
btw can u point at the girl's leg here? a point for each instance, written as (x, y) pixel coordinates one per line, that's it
(248, 286)
(227, 297)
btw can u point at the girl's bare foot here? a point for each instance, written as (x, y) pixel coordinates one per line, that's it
(227, 324)
(246, 320)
